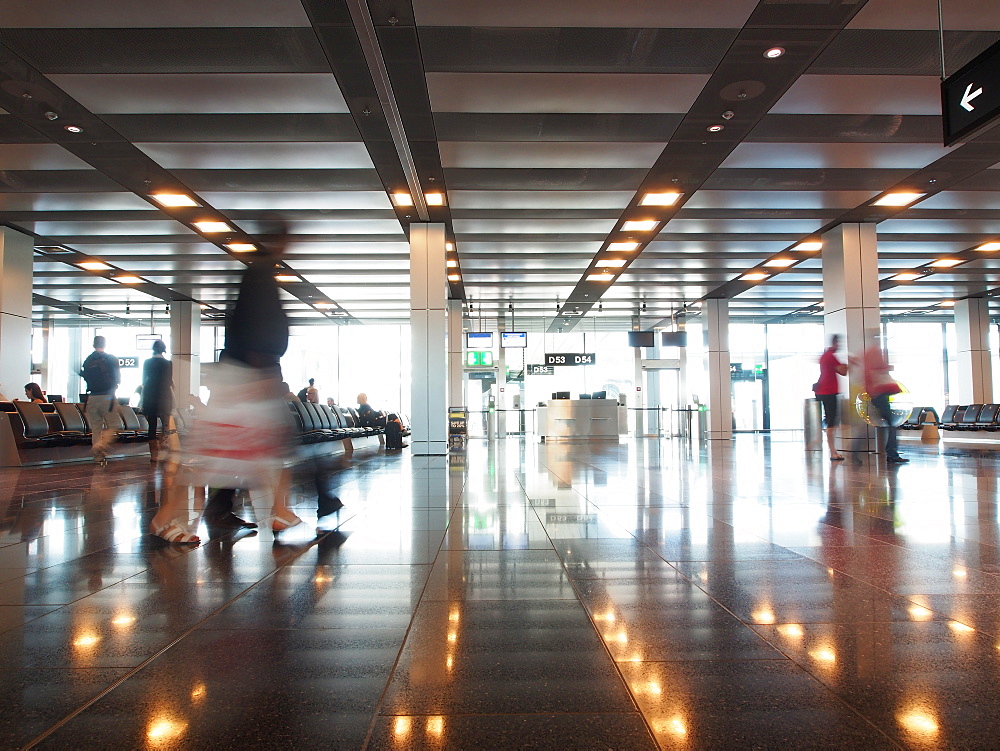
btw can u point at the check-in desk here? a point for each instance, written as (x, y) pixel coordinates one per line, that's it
(578, 418)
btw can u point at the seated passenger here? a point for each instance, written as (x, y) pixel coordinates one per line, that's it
(34, 394)
(367, 414)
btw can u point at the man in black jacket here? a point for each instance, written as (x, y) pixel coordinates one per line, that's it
(100, 371)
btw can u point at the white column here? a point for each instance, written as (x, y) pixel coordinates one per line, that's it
(975, 366)
(502, 400)
(456, 349)
(428, 293)
(640, 394)
(185, 345)
(75, 385)
(851, 310)
(720, 389)
(16, 255)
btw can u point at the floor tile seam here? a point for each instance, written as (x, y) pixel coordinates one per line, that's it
(597, 633)
(136, 669)
(406, 635)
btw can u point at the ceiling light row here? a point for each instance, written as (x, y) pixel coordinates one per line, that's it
(781, 262)
(405, 199)
(632, 225)
(96, 265)
(183, 200)
(941, 263)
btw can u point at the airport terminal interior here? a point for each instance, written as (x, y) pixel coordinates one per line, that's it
(589, 253)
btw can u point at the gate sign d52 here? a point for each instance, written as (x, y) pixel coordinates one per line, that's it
(570, 358)
(970, 97)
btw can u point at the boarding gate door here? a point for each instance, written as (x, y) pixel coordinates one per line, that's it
(661, 380)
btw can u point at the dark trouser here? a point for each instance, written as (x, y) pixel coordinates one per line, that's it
(881, 405)
(152, 419)
(219, 503)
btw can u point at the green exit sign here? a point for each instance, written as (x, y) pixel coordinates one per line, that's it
(476, 359)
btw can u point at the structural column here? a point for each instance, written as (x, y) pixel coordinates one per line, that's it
(720, 389)
(16, 255)
(185, 345)
(975, 366)
(851, 310)
(456, 350)
(429, 349)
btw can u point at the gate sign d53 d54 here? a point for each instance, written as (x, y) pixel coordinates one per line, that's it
(570, 358)
(970, 98)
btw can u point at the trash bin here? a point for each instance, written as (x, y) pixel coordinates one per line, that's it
(929, 433)
(812, 424)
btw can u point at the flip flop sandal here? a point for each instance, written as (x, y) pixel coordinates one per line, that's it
(174, 534)
(287, 522)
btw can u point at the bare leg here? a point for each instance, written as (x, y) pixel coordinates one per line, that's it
(831, 434)
(284, 517)
(170, 522)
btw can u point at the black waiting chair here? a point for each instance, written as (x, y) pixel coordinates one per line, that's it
(970, 416)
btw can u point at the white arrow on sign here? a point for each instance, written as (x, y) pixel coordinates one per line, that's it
(967, 97)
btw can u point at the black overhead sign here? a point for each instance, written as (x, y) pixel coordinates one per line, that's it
(970, 98)
(570, 358)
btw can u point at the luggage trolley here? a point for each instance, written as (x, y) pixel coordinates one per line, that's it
(458, 427)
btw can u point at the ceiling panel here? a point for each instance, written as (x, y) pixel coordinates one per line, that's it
(258, 155)
(563, 92)
(120, 14)
(839, 155)
(569, 155)
(848, 95)
(203, 92)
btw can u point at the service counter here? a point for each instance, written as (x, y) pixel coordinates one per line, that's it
(581, 418)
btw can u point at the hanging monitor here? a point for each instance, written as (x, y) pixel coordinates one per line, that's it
(674, 339)
(479, 340)
(513, 339)
(641, 339)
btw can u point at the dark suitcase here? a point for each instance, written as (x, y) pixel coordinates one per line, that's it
(393, 433)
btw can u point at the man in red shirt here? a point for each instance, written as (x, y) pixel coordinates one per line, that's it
(828, 392)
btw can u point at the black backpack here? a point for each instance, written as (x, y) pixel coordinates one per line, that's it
(302, 395)
(97, 373)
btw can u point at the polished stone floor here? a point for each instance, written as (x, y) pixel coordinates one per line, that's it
(750, 595)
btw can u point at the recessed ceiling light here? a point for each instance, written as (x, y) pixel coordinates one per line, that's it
(285, 278)
(241, 247)
(946, 263)
(434, 199)
(610, 263)
(402, 199)
(754, 276)
(809, 246)
(326, 305)
(898, 199)
(715, 128)
(623, 246)
(660, 199)
(603, 277)
(639, 225)
(454, 277)
(780, 263)
(213, 226)
(73, 128)
(774, 52)
(452, 263)
(127, 279)
(173, 199)
(449, 246)
(986, 247)
(93, 265)
(905, 276)
(947, 303)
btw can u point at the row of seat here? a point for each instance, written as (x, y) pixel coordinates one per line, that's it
(318, 422)
(66, 424)
(971, 417)
(919, 416)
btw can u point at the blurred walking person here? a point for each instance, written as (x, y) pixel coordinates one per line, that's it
(100, 371)
(880, 386)
(245, 434)
(157, 396)
(827, 390)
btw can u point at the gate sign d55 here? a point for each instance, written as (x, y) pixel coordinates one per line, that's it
(570, 358)
(970, 97)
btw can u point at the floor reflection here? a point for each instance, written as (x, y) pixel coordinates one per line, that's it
(628, 594)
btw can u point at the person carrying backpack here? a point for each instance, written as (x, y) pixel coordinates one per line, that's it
(100, 371)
